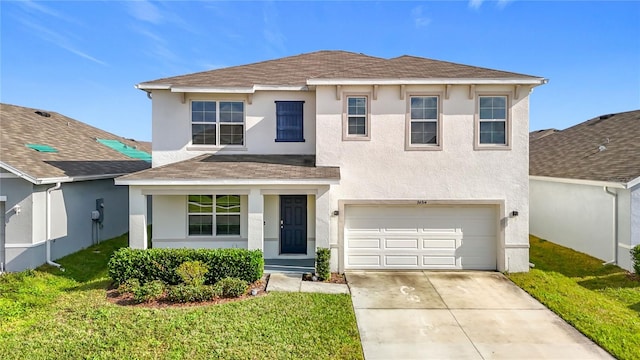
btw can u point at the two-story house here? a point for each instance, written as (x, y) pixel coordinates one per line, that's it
(402, 163)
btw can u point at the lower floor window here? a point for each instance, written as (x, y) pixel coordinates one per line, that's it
(204, 209)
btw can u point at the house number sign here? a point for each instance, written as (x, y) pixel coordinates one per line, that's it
(422, 202)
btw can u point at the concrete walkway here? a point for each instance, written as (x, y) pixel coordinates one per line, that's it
(292, 282)
(458, 315)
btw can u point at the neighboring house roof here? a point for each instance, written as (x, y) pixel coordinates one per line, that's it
(322, 66)
(605, 148)
(539, 134)
(44, 147)
(215, 168)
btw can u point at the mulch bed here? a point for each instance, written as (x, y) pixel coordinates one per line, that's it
(127, 300)
(336, 278)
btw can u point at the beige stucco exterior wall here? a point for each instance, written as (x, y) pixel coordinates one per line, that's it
(171, 125)
(382, 169)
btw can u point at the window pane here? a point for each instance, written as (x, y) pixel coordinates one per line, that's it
(431, 102)
(197, 116)
(417, 102)
(499, 101)
(357, 125)
(493, 107)
(227, 204)
(203, 111)
(486, 102)
(424, 132)
(227, 224)
(197, 106)
(203, 134)
(200, 204)
(231, 134)
(200, 225)
(492, 132)
(424, 107)
(357, 106)
(231, 111)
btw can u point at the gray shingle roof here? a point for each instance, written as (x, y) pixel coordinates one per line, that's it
(539, 134)
(244, 167)
(605, 148)
(296, 70)
(78, 153)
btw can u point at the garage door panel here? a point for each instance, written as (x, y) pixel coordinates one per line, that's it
(401, 243)
(406, 237)
(364, 260)
(439, 244)
(439, 261)
(401, 260)
(364, 243)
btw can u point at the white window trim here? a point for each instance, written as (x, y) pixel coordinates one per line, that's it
(508, 122)
(213, 214)
(345, 117)
(423, 147)
(204, 147)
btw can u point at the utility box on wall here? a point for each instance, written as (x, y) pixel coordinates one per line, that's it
(100, 209)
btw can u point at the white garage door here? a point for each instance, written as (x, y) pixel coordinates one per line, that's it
(421, 237)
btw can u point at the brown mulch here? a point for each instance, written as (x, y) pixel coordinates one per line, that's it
(127, 299)
(336, 278)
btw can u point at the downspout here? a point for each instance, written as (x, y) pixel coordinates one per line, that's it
(615, 226)
(48, 223)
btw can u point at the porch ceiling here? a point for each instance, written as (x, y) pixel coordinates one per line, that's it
(236, 167)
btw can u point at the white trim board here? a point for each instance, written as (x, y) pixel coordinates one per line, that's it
(611, 184)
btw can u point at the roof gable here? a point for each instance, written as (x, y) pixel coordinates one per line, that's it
(27, 135)
(605, 148)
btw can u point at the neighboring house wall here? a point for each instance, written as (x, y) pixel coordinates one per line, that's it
(20, 248)
(171, 126)
(381, 168)
(582, 217)
(634, 227)
(71, 224)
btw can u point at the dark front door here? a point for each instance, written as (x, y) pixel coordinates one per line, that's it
(293, 224)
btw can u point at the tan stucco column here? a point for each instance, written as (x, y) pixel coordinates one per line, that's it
(137, 219)
(324, 215)
(255, 228)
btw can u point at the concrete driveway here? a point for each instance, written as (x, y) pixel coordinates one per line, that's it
(458, 315)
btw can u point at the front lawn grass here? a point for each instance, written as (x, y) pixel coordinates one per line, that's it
(47, 313)
(603, 302)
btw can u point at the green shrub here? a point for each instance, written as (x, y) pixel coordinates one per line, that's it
(191, 293)
(230, 287)
(192, 272)
(161, 264)
(149, 291)
(129, 286)
(323, 255)
(635, 257)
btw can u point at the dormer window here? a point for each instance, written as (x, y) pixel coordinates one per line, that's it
(217, 123)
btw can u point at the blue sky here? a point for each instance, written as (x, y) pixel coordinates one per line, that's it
(83, 58)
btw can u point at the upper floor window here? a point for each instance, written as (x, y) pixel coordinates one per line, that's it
(205, 215)
(289, 121)
(356, 118)
(492, 124)
(217, 123)
(423, 127)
